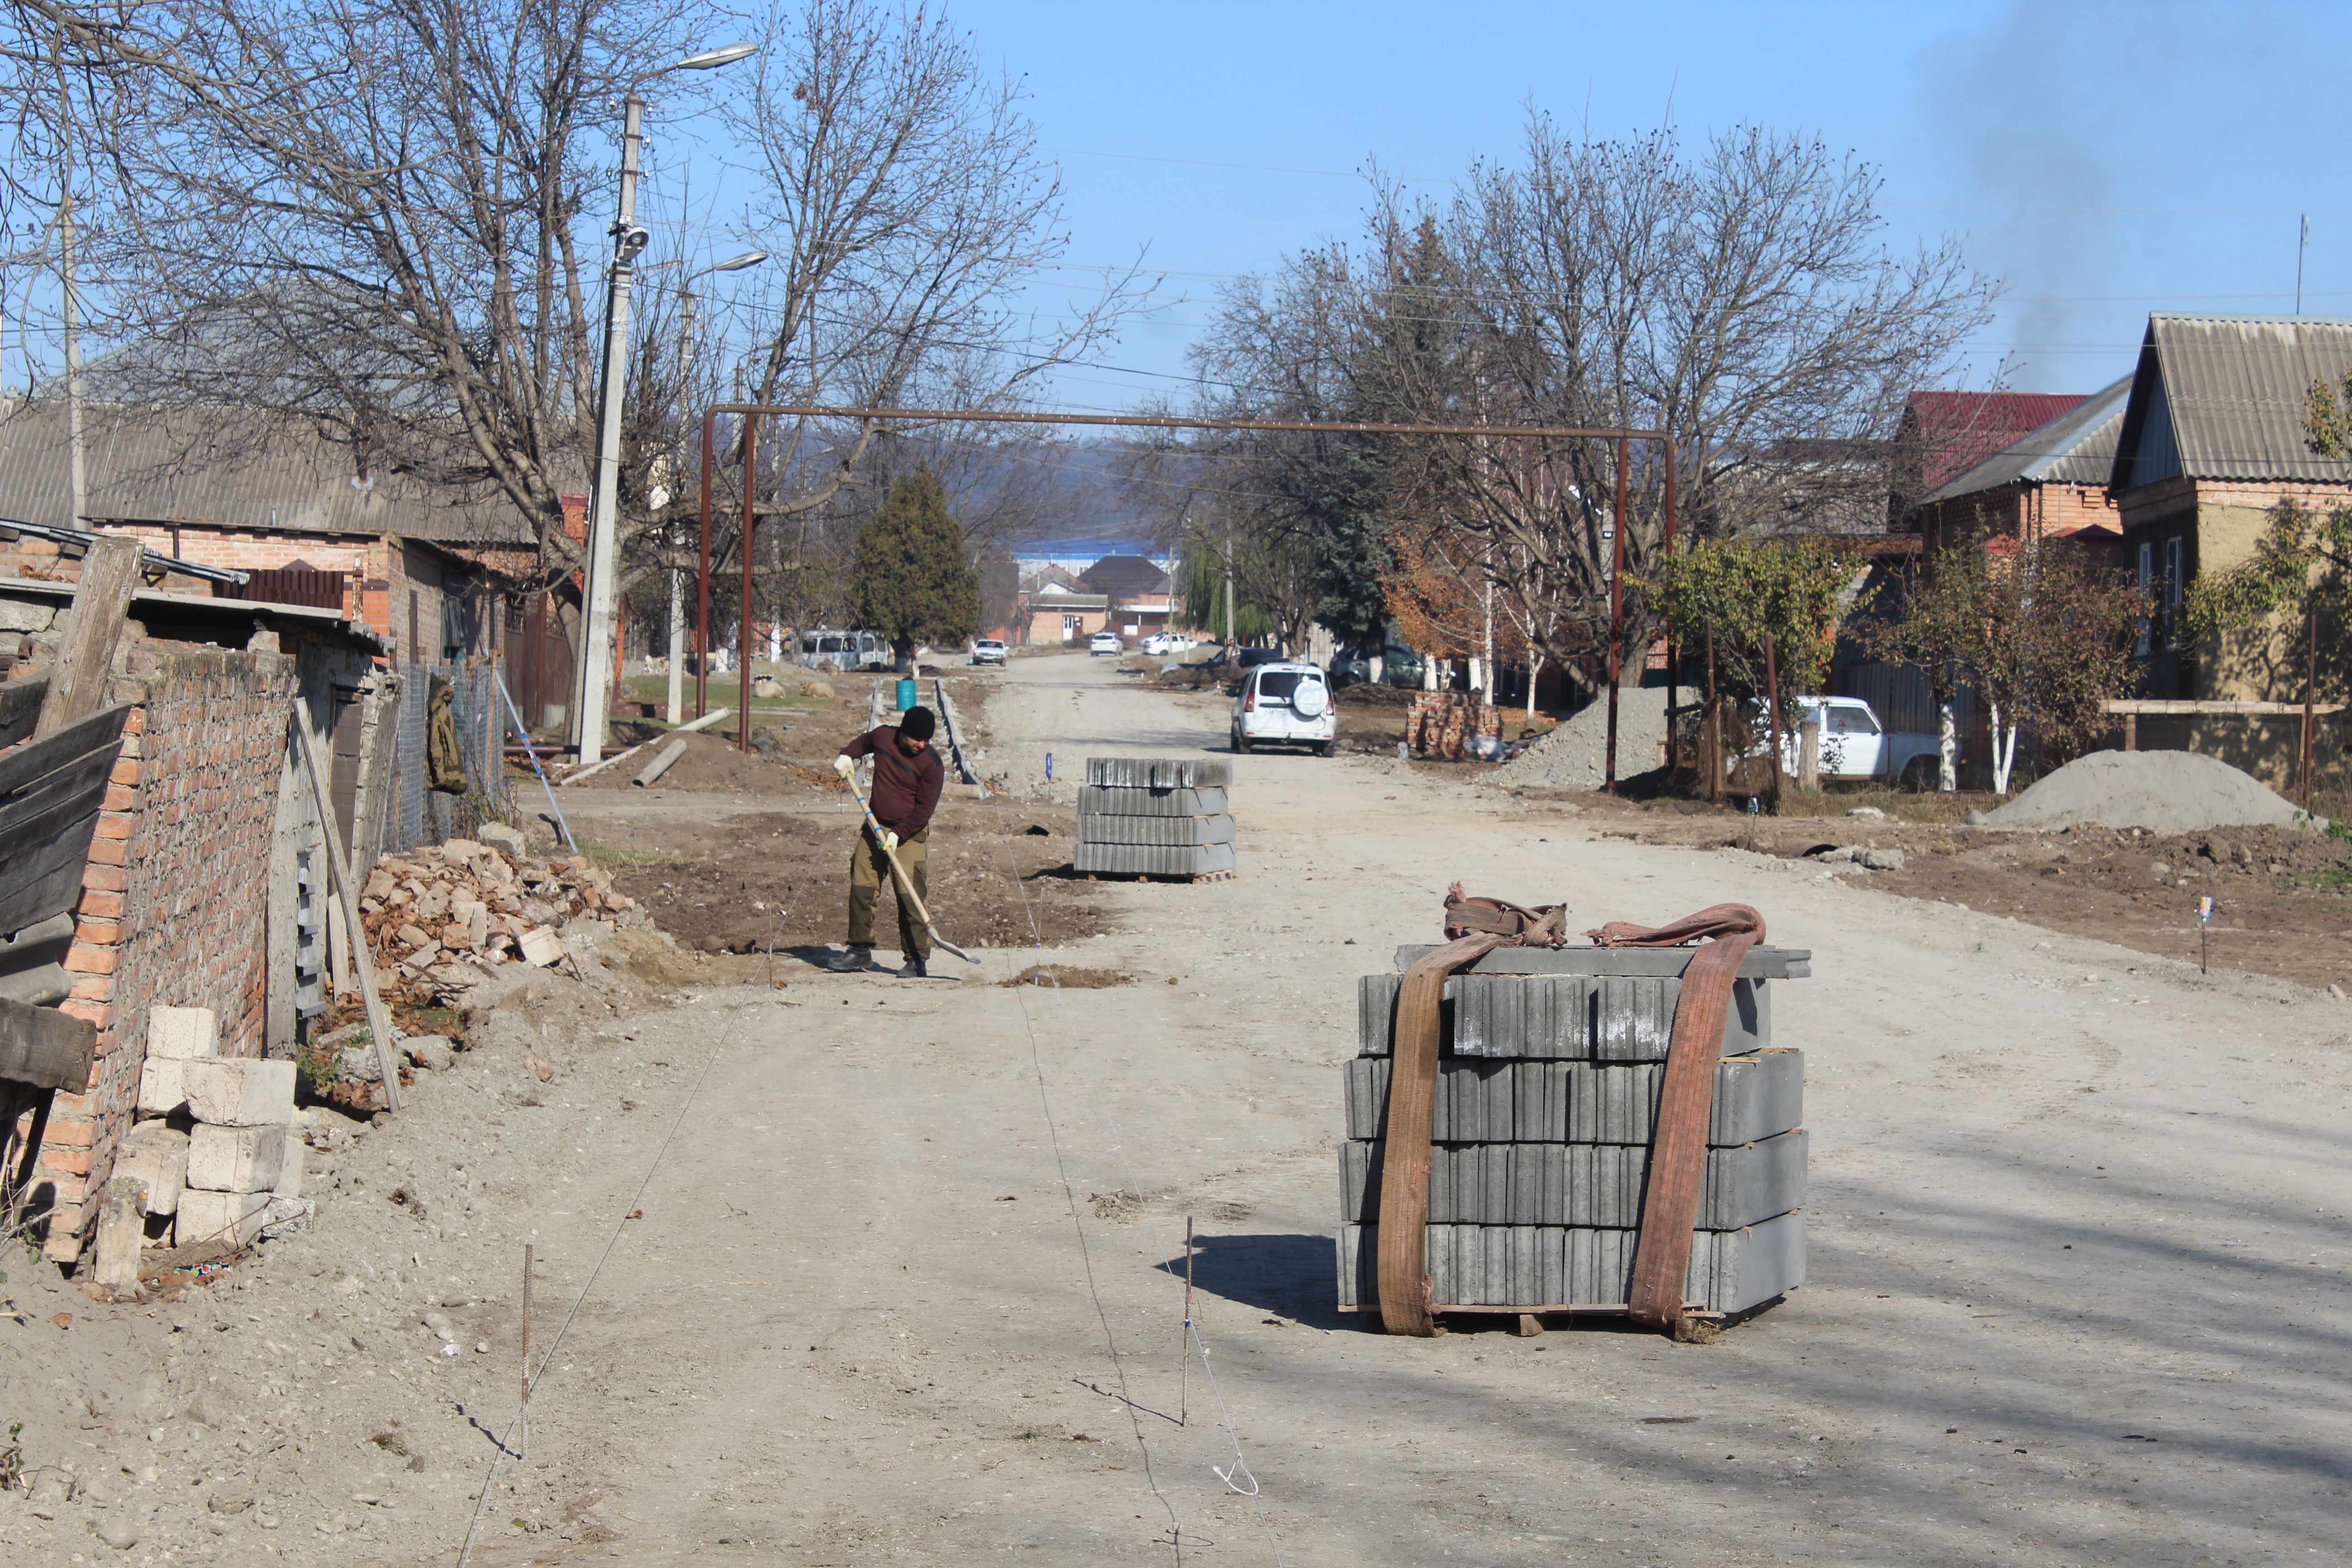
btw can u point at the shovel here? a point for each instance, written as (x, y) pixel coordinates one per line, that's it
(906, 884)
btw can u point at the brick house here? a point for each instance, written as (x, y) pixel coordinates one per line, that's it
(424, 570)
(1136, 595)
(2049, 483)
(1940, 436)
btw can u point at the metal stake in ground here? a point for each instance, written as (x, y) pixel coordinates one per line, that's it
(522, 1417)
(906, 884)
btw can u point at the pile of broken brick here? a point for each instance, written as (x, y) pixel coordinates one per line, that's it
(443, 918)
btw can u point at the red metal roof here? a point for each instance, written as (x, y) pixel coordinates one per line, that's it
(1961, 430)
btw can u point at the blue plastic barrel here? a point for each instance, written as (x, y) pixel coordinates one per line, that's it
(907, 698)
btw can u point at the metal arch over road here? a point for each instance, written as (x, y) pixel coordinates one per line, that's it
(751, 413)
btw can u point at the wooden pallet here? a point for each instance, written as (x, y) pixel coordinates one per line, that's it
(1157, 876)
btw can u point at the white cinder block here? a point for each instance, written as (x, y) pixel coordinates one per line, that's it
(289, 1172)
(155, 1155)
(230, 1219)
(183, 1033)
(161, 1090)
(239, 1093)
(236, 1159)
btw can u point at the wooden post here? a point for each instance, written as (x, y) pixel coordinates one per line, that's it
(2131, 731)
(339, 870)
(109, 575)
(2310, 695)
(1809, 753)
(1773, 685)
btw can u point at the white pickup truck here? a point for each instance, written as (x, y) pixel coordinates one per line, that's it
(1854, 745)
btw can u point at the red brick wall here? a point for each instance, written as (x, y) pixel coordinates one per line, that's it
(171, 908)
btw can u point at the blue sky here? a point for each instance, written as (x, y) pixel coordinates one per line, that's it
(2103, 159)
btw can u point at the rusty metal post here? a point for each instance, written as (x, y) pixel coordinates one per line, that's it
(2310, 695)
(1616, 626)
(1673, 648)
(1714, 729)
(702, 582)
(1772, 685)
(743, 612)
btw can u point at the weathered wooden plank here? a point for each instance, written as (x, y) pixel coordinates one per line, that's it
(45, 1047)
(110, 573)
(379, 1016)
(50, 792)
(20, 708)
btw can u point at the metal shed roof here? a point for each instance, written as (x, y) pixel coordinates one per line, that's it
(2221, 397)
(190, 467)
(2078, 448)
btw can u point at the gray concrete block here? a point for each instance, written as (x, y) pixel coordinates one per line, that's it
(1474, 1101)
(1548, 1016)
(1095, 828)
(1116, 800)
(1159, 772)
(1145, 859)
(1597, 1185)
(1757, 1095)
(1662, 963)
(1505, 1267)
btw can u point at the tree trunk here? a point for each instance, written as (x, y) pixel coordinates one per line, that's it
(903, 652)
(1535, 669)
(1948, 748)
(2004, 748)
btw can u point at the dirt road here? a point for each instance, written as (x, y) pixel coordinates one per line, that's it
(2077, 1223)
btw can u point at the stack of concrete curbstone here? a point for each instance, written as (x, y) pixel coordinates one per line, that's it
(1549, 1076)
(214, 1150)
(1144, 816)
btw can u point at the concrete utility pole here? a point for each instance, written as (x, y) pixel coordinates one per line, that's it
(593, 696)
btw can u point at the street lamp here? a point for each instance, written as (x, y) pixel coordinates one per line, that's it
(593, 693)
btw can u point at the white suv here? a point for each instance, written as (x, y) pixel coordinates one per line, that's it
(1288, 704)
(1105, 642)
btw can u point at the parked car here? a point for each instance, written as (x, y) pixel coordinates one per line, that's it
(987, 651)
(1854, 745)
(847, 651)
(1105, 642)
(1284, 704)
(1166, 642)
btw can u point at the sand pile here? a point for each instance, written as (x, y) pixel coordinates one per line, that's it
(1574, 755)
(2163, 791)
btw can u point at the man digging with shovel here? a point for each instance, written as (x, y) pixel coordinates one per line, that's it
(908, 776)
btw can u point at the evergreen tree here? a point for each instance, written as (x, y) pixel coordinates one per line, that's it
(911, 581)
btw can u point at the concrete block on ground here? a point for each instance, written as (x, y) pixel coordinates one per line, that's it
(541, 945)
(1142, 859)
(119, 1234)
(1097, 828)
(181, 1034)
(227, 1220)
(155, 1155)
(285, 1216)
(236, 1159)
(238, 1092)
(289, 1169)
(1159, 772)
(1099, 800)
(160, 1088)
(1498, 1267)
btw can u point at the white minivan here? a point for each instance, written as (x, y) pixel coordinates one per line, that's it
(1284, 704)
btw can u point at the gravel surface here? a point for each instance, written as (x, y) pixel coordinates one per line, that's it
(1575, 756)
(2163, 791)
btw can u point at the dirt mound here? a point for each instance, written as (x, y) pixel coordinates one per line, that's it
(711, 762)
(2163, 791)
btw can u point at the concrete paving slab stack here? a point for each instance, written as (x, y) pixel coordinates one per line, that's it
(1155, 816)
(1548, 1074)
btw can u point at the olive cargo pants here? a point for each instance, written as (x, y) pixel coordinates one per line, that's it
(869, 869)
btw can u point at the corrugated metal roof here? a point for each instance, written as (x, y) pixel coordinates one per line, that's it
(2221, 397)
(177, 466)
(2078, 448)
(1958, 430)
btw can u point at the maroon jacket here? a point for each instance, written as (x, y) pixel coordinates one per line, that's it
(906, 787)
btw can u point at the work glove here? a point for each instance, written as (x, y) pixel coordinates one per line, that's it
(890, 841)
(843, 765)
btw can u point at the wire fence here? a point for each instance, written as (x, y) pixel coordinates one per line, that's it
(418, 813)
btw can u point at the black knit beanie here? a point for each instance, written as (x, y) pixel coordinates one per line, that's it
(917, 723)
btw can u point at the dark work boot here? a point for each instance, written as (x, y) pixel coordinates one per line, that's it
(916, 970)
